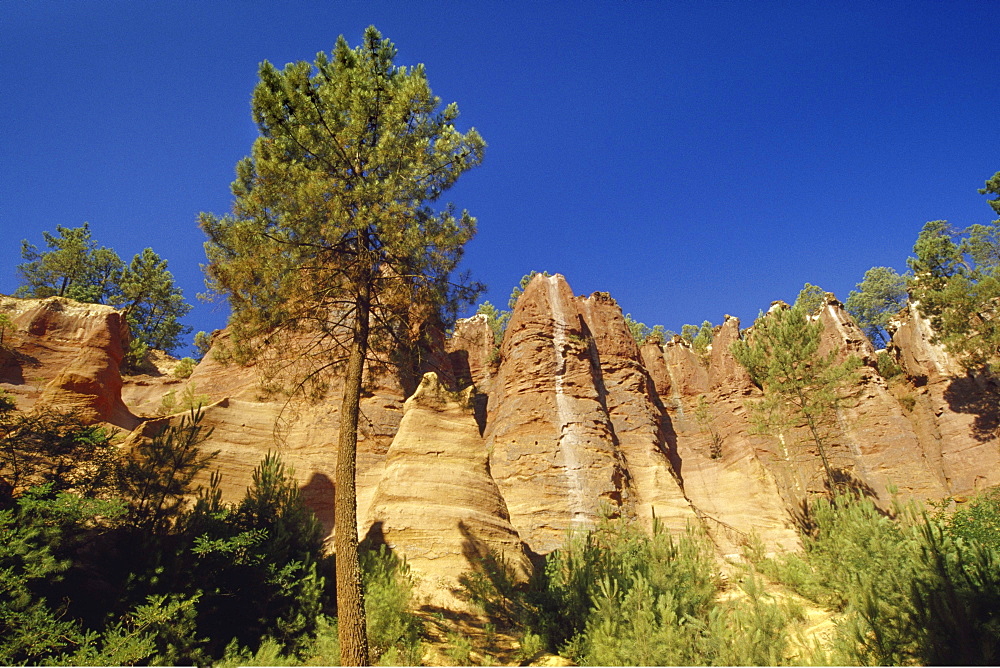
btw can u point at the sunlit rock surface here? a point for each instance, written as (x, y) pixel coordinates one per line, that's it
(567, 419)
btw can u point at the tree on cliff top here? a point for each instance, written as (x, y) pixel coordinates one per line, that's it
(880, 295)
(75, 267)
(332, 239)
(956, 284)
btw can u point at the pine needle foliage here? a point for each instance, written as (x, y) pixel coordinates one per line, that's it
(332, 220)
(74, 266)
(333, 254)
(879, 296)
(956, 284)
(801, 386)
(907, 588)
(158, 473)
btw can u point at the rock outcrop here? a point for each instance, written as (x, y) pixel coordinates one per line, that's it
(723, 465)
(640, 425)
(553, 451)
(955, 414)
(66, 356)
(567, 420)
(437, 504)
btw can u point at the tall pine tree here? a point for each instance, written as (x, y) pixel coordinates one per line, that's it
(333, 242)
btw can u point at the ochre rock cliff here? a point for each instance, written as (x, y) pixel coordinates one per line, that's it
(567, 419)
(436, 502)
(65, 355)
(552, 445)
(955, 414)
(724, 467)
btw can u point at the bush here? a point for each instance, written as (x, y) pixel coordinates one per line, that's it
(914, 589)
(184, 368)
(7, 329)
(887, 366)
(189, 400)
(393, 631)
(978, 520)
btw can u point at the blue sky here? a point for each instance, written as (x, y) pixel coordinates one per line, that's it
(691, 158)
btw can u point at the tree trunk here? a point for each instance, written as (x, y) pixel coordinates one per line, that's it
(831, 481)
(351, 627)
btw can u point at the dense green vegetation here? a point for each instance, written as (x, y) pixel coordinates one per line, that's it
(903, 587)
(105, 561)
(956, 285)
(953, 281)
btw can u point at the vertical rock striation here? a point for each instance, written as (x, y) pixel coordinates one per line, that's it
(641, 428)
(722, 463)
(553, 452)
(436, 504)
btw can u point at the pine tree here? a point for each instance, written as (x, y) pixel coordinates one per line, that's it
(880, 295)
(73, 267)
(495, 319)
(956, 285)
(153, 306)
(332, 239)
(811, 299)
(801, 387)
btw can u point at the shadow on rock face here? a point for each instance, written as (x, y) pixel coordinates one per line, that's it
(978, 396)
(318, 494)
(491, 582)
(846, 481)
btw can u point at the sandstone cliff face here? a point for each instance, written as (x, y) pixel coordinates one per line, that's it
(955, 414)
(640, 426)
(722, 464)
(570, 420)
(66, 356)
(878, 444)
(552, 448)
(436, 503)
(470, 350)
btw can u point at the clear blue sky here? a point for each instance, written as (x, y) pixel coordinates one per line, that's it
(691, 158)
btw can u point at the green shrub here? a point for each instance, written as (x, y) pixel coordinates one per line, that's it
(459, 649)
(184, 368)
(7, 329)
(531, 644)
(978, 520)
(613, 585)
(393, 631)
(189, 400)
(887, 366)
(914, 589)
(202, 343)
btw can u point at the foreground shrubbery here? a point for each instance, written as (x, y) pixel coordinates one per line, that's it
(617, 596)
(907, 589)
(917, 588)
(105, 563)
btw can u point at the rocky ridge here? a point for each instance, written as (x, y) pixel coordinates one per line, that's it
(568, 419)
